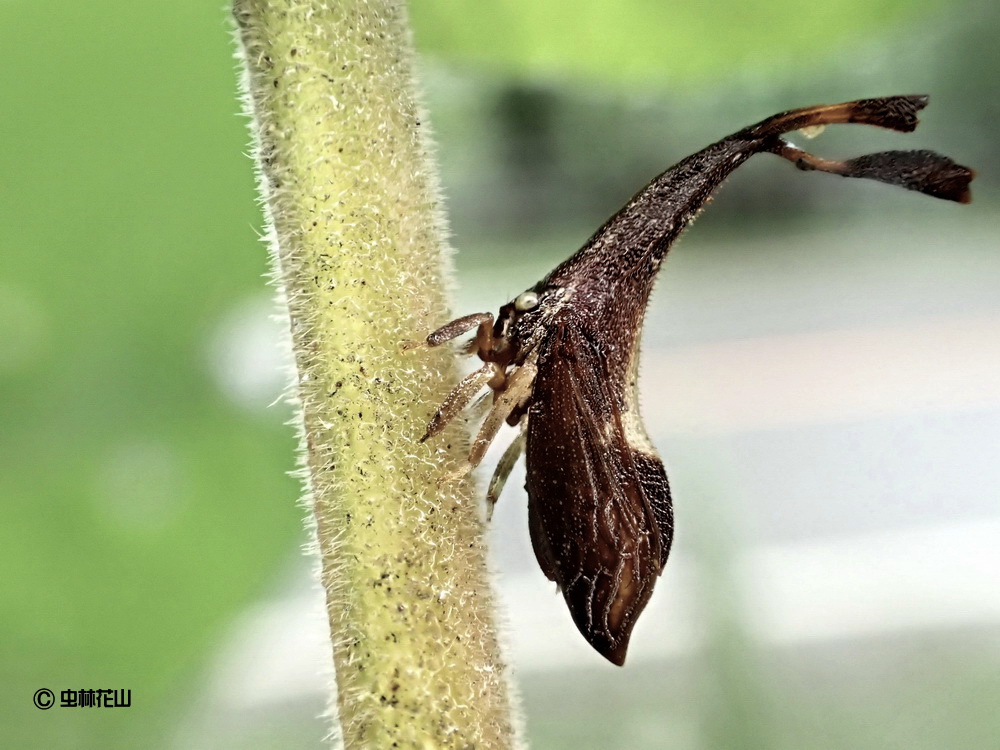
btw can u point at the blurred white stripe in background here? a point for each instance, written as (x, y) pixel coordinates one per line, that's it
(934, 578)
(788, 594)
(947, 364)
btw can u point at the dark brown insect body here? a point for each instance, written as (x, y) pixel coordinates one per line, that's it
(562, 360)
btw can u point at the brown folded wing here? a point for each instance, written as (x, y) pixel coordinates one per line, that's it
(599, 508)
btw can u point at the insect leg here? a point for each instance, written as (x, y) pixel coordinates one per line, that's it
(517, 391)
(507, 461)
(461, 395)
(456, 328)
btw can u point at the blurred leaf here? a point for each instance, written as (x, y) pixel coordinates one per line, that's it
(143, 506)
(646, 41)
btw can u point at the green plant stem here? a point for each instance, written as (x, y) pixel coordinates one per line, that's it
(358, 251)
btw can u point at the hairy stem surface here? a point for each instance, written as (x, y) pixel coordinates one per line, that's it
(358, 251)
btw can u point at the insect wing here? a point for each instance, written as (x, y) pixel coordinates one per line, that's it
(599, 509)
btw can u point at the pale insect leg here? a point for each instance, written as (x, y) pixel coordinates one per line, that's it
(478, 409)
(456, 328)
(507, 461)
(518, 389)
(460, 397)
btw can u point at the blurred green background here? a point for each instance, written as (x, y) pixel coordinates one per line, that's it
(146, 506)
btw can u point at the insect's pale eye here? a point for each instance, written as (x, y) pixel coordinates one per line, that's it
(526, 301)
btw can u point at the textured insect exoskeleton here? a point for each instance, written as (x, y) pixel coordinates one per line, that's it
(562, 361)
